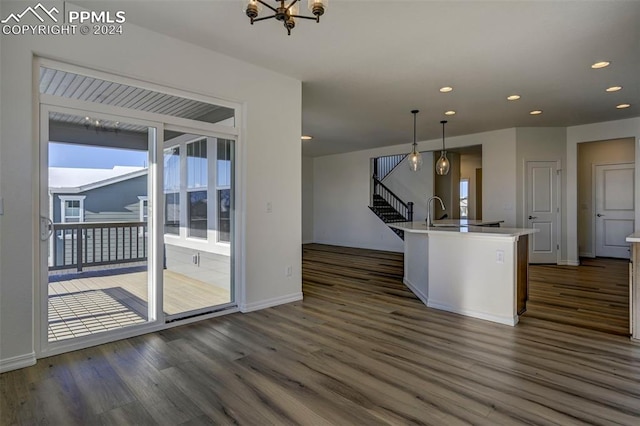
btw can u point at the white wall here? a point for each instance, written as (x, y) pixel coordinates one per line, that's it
(498, 174)
(619, 129)
(270, 158)
(307, 200)
(342, 183)
(340, 203)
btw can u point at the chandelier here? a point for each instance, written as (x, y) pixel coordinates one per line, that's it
(283, 12)
(101, 125)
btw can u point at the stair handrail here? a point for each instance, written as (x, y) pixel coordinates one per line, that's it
(388, 162)
(392, 199)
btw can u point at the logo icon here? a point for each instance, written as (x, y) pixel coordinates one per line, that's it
(34, 11)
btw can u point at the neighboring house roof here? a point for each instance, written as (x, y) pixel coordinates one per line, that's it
(71, 179)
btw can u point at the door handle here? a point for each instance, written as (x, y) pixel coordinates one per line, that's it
(46, 228)
(600, 215)
(533, 217)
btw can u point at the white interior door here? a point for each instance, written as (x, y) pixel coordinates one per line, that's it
(542, 210)
(614, 209)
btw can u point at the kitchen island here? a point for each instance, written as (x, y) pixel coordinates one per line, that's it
(634, 285)
(477, 271)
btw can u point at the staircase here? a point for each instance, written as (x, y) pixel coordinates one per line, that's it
(384, 203)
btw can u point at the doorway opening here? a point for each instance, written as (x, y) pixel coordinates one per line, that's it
(605, 198)
(595, 294)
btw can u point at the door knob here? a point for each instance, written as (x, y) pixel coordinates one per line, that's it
(533, 217)
(600, 215)
(46, 228)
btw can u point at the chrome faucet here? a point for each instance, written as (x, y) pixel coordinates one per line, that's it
(429, 221)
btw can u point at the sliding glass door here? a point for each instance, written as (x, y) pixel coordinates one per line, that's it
(96, 224)
(198, 226)
(137, 207)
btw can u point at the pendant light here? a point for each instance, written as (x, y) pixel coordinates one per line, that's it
(415, 158)
(442, 165)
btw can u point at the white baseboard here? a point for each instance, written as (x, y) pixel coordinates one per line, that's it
(569, 263)
(307, 241)
(268, 303)
(16, 362)
(469, 313)
(423, 297)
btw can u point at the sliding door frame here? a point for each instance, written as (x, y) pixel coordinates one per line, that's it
(160, 123)
(154, 278)
(232, 244)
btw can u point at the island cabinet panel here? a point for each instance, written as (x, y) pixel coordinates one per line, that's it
(523, 274)
(476, 271)
(634, 285)
(634, 291)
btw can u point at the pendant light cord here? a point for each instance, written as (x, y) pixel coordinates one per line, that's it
(414, 112)
(414, 131)
(443, 123)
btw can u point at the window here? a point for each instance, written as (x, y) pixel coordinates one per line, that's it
(223, 188)
(197, 183)
(172, 190)
(144, 214)
(172, 213)
(198, 214)
(224, 215)
(144, 208)
(198, 196)
(464, 198)
(71, 208)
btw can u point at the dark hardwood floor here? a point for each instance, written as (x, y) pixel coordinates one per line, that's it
(593, 295)
(359, 350)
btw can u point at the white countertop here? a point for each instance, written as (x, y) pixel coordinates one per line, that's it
(470, 231)
(634, 238)
(465, 222)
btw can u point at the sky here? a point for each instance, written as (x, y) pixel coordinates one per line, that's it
(89, 157)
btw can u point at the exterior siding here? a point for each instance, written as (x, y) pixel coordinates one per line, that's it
(117, 202)
(112, 203)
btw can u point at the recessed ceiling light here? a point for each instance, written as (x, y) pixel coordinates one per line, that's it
(536, 112)
(623, 106)
(613, 88)
(450, 112)
(306, 138)
(446, 89)
(513, 97)
(601, 64)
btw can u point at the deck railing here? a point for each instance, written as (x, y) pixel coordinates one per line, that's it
(80, 244)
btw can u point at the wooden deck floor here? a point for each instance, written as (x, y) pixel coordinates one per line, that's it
(95, 303)
(359, 350)
(594, 295)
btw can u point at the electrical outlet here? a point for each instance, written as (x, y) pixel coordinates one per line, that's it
(288, 271)
(499, 256)
(269, 207)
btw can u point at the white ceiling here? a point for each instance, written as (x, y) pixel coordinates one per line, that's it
(367, 64)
